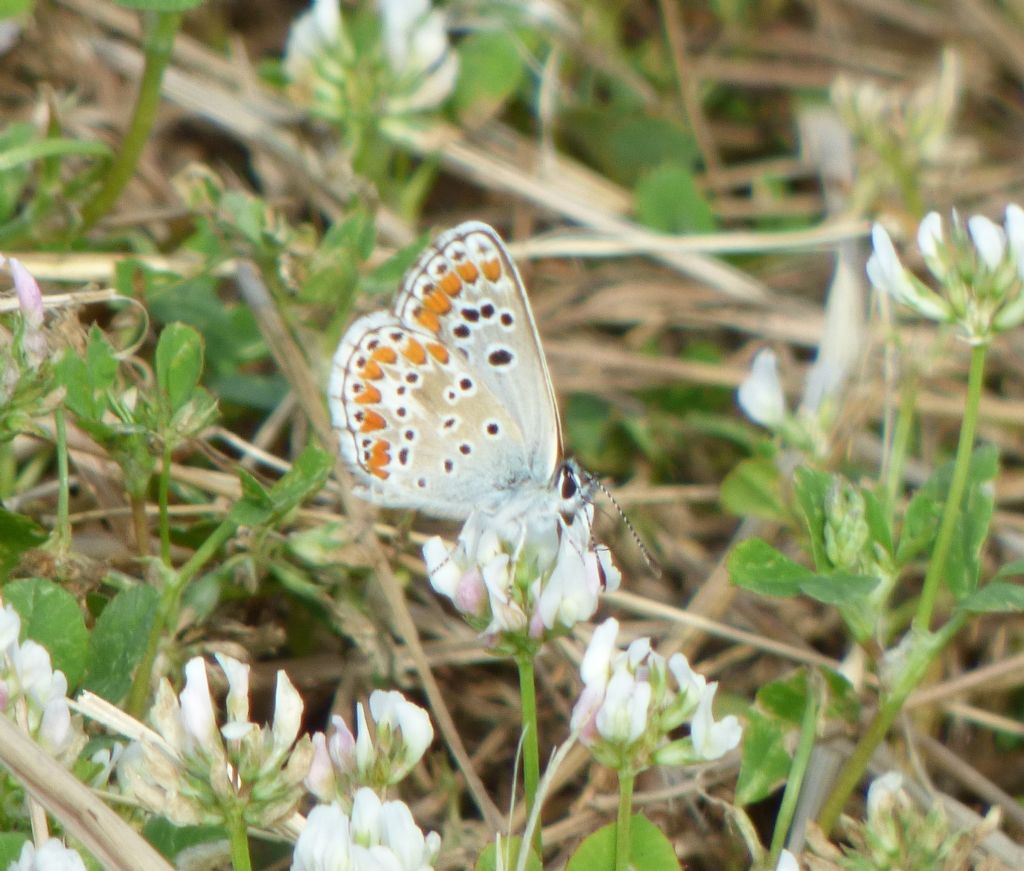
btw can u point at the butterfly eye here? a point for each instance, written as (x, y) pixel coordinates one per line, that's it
(569, 486)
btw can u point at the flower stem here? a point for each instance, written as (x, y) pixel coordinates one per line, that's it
(791, 795)
(531, 746)
(951, 510)
(623, 820)
(63, 537)
(925, 650)
(163, 496)
(158, 44)
(239, 835)
(167, 615)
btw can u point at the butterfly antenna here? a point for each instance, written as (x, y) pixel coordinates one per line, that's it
(649, 560)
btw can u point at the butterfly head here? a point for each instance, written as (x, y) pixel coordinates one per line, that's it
(574, 488)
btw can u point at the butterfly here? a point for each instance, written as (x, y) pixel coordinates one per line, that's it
(444, 404)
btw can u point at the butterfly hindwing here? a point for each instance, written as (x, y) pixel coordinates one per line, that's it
(416, 424)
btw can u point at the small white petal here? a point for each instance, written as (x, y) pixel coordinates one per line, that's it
(713, 740)
(929, 236)
(787, 862)
(325, 843)
(1015, 235)
(989, 240)
(597, 660)
(365, 752)
(760, 395)
(196, 706)
(237, 674)
(287, 714)
(442, 569)
(10, 628)
(882, 791)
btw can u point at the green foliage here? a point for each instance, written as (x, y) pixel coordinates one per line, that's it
(754, 489)
(171, 840)
(161, 5)
(118, 642)
(490, 71)
(50, 616)
(765, 760)
(648, 849)
(668, 200)
(18, 534)
(260, 506)
(10, 847)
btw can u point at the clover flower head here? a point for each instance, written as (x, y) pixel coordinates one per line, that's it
(375, 835)
(978, 265)
(342, 761)
(628, 707)
(34, 694)
(194, 772)
(521, 572)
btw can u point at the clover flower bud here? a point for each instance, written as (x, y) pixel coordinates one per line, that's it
(51, 856)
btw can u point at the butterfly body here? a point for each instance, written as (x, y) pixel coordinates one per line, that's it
(444, 404)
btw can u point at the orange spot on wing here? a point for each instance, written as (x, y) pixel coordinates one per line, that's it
(427, 319)
(384, 354)
(369, 396)
(438, 352)
(414, 353)
(378, 459)
(372, 421)
(451, 284)
(371, 371)
(437, 302)
(468, 271)
(492, 269)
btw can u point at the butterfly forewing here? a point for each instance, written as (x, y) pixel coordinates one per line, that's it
(466, 290)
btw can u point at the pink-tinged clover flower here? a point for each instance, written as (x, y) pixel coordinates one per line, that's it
(628, 707)
(342, 761)
(521, 572)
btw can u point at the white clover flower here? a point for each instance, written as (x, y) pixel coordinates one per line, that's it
(312, 35)
(341, 762)
(33, 694)
(883, 792)
(377, 836)
(417, 49)
(51, 856)
(197, 773)
(521, 572)
(980, 271)
(760, 395)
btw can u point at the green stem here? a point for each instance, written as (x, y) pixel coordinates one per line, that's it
(791, 795)
(623, 820)
(167, 615)
(239, 835)
(164, 485)
(531, 746)
(158, 45)
(924, 651)
(63, 538)
(951, 510)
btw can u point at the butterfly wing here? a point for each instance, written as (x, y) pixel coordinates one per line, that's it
(466, 291)
(417, 424)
